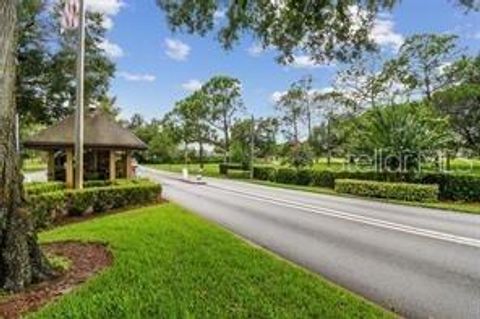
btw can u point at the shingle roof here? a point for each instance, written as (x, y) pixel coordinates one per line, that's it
(100, 132)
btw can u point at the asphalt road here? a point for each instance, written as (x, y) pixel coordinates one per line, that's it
(421, 263)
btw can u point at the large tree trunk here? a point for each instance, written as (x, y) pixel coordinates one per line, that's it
(21, 260)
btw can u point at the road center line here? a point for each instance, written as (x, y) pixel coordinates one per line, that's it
(467, 241)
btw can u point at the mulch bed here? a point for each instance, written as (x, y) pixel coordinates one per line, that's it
(87, 259)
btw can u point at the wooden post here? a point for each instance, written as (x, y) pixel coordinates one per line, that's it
(69, 173)
(113, 169)
(51, 166)
(128, 165)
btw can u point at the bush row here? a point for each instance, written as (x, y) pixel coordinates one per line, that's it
(451, 186)
(400, 191)
(40, 188)
(46, 208)
(225, 167)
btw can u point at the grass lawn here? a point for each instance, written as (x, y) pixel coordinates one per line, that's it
(173, 264)
(33, 165)
(193, 169)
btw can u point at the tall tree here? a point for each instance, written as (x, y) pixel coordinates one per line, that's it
(360, 83)
(325, 30)
(425, 57)
(327, 135)
(21, 260)
(190, 117)
(99, 68)
(305, 90)
(223, 100)
(33, 59)
(292, 113)
(461, 102)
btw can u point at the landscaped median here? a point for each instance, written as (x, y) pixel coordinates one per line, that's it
(169, 263)
(399, 191)
(50, 202)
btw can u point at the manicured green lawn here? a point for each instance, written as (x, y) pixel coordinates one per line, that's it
(33, 165)
(170, 263)
(193, 169)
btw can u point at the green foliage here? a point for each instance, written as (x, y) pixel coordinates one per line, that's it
(48, 207)
(170, 263)
(287, 176)
(59, 263)
(397, 138)
(462, 106)
(224, 168)
(46, 64)
(422, 58)
(400, 191)
(33, 189)
(300, 155)
(265, 173)
(455, 187)
(223, 99)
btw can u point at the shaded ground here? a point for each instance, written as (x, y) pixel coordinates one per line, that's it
(86, 259)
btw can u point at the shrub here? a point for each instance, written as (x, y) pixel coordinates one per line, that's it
(455, 187)
(323, 179)
(265, 173)
(304, 177)
(225, 167)
(46, 208)
(401, 191)
(32, 189)
(287, 176)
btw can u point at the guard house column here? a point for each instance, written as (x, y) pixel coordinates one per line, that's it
(113, 168)
(51, 165)
(69, 173)
(128, 165)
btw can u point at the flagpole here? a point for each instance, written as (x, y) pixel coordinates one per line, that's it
(79, 114)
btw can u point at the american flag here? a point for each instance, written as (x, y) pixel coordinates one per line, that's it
(70, 15)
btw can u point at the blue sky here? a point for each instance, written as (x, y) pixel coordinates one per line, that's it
(155, 68)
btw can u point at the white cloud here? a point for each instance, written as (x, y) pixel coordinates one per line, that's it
(177, 49)
(111, 49)
(383, 32)
(136, 77)
(192, 85)
(276, 96)
(477, 35)
(219, 14)
(255, 50)
(107, 22)
(108, 7)
(307, 62)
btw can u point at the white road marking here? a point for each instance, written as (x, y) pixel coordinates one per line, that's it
(432, 234)
(357, 218)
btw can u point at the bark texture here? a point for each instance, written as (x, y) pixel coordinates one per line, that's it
(21, 260)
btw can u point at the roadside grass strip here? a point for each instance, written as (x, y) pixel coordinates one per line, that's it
(169, 263)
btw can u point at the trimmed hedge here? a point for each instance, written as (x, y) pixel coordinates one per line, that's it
(46, 208)
(225, 167)
(265, 173)
(40, 188)
(451, 187)
(400, 191)
(287, 176)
